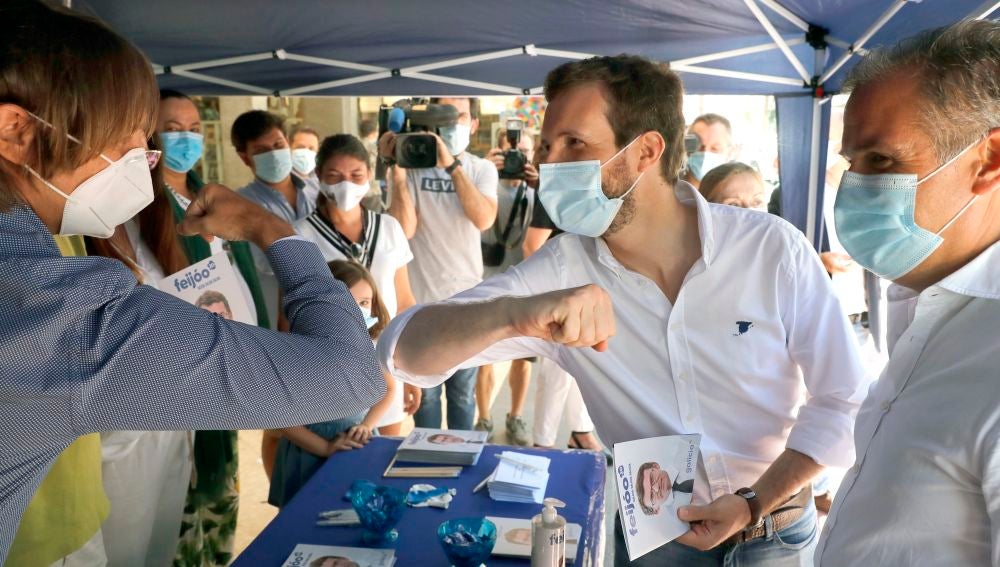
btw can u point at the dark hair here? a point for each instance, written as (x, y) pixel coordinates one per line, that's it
(341, 145)
(211, 297)
(303, 130)
(157, 228)
(712, 118)
(642, 96)
(252, 125)
(79, 76)
(473, 104)
(367, 127)
(640, 491)
(171, 93)
(351, 273)
(717, 175)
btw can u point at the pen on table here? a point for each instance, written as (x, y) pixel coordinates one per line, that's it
(482, 484)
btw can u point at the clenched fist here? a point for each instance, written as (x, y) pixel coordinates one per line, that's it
(218, 211)
(577, 317)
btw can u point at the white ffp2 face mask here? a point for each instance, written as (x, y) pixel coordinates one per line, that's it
(346, 195)
(107, 199)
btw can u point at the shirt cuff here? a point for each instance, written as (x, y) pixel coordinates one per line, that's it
(825, 435)
(386, 349)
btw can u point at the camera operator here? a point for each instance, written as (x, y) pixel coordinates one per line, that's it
(501, 249)
(442, 211)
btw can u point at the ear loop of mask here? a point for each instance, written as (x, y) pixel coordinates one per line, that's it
(42, 179)
(612, 158)
(972, 201)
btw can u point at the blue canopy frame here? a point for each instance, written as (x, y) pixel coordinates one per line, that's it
(797, 50)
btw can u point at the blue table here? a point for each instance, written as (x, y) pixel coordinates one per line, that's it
(577, 478)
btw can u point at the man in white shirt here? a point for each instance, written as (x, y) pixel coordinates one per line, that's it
(443, 210)
(702, 318)
(920, 206)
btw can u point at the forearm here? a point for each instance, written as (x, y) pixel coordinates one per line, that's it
(478, 208)
(440, 337)
(374, 415)
(786, 476)
(402, 208)
(534, 238)
(307, 440)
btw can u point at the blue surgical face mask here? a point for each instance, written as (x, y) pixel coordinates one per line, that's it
(572, 195)
(181, 150)
(456, 137)
(303, 161)
(273, 166)
(875, 223)
(700, 163)
(370, 321)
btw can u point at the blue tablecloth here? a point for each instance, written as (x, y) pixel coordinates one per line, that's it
(576, 478)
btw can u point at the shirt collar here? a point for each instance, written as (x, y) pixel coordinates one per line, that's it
(978, 278)
(688, 196)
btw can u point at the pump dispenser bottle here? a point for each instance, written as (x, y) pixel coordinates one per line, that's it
(548, 536)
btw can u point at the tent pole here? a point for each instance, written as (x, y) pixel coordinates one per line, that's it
(223, 62)
(466, 60)
(736, 75)
(984, 11)
(734, 52)
(778, 40)
(814, 146)
(329, 62)
(872, 30)
(223, 82)
(338, 83)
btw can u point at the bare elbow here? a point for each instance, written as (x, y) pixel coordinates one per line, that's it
(484, 222)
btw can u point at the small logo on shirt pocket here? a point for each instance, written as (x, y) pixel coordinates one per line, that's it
(742, 328)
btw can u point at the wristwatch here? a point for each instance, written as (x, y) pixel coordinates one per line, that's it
(754, 503)
(454, 165)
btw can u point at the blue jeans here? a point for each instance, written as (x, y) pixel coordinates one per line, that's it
(791, 547)
(460, 389)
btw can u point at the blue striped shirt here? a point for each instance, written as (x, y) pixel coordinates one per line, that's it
(83, 348)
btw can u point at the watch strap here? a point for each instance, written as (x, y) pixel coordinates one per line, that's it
(755, 509)
(454, 165)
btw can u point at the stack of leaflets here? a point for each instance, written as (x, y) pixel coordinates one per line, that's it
(213, 285)
(519, 478)
(514, 538)
(440, 447)
(333, 556)
(654, 477)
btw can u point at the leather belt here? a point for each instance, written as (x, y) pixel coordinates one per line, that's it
(782, 517)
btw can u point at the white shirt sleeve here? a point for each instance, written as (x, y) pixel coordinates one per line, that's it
(398, 244)
(822, 343)
(512, 283)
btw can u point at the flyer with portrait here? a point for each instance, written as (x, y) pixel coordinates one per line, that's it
(334, 556)
(213, 285)
(654, 477)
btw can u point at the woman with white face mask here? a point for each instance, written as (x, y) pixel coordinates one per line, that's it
(83, 347)
(344, 230)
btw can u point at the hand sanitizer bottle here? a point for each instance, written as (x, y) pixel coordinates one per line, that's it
(548, 536)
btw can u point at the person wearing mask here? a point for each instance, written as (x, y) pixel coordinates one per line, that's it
(919, 206)
(179, 128)
(304, 142)
(259, 139)
(734, 183)
(344, 230)
(515, 200)
(442, 211)
(146, 474)
(715, 148)
(738, 301)
(94, 350)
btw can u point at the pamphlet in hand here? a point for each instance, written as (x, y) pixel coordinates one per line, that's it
(514, 538)
(444, 447)
(333, 556)
(654, 477)
(211, 284)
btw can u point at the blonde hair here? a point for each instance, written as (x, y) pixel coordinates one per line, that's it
(77, 75)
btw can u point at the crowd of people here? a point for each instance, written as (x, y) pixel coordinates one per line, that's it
(651, 288)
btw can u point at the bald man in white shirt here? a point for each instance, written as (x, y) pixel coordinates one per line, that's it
(702, 318)
(920, 206)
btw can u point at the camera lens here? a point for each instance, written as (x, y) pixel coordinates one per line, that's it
(417, 151)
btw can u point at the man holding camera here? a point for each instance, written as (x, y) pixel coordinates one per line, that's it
(502, 249)
(443, 210)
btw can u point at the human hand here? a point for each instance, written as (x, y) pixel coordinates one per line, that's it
(445, 159)
(577, 317)
(342, 442)
(496, 156)
(412, 396)
(531, 175)
(360, 433)
(219, 211)
(714, 523)
(387, 145)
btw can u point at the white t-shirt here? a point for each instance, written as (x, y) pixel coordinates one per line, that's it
(390, 253)
(448, 257)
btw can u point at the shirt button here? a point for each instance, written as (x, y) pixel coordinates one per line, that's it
(675, 327)
(683, 376)
(886, 405)
(690, 417)
(855, 469)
